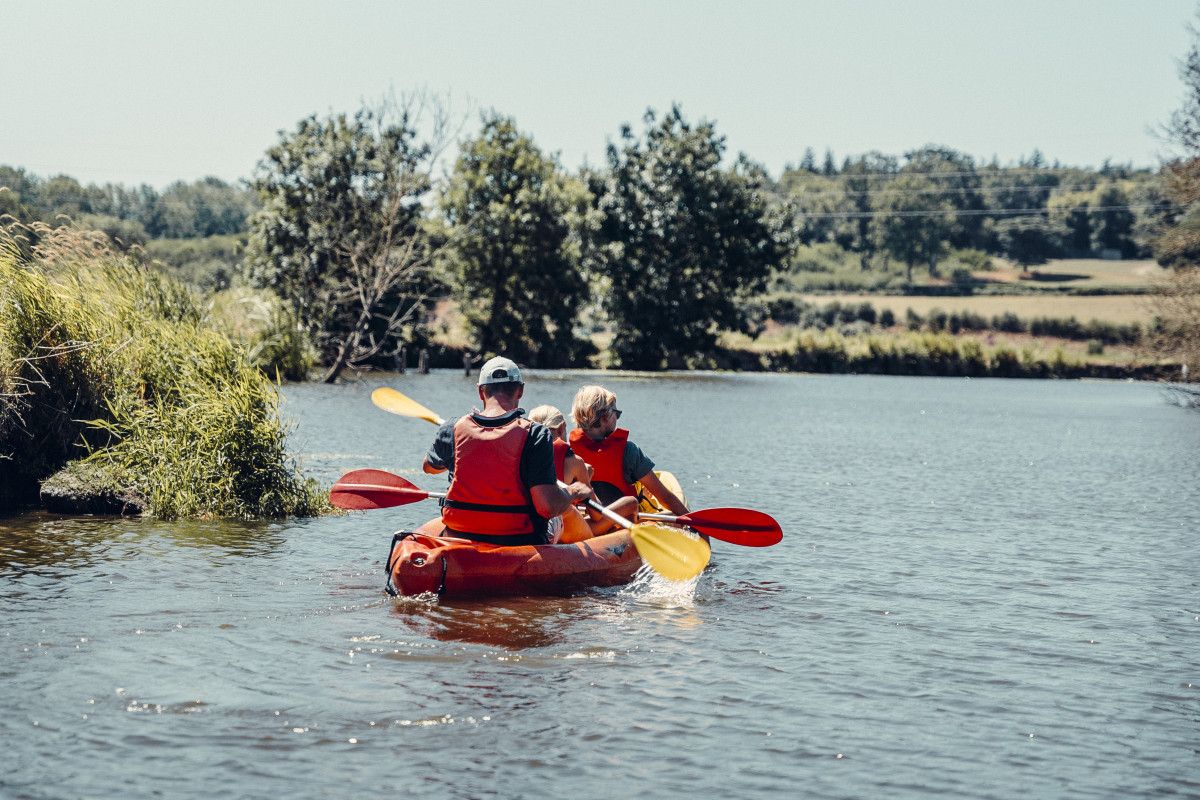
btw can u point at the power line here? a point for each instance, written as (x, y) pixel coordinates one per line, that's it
(967, 212)
(965, 190)
(981, 172)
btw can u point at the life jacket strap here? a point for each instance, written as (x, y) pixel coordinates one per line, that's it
(463, 506)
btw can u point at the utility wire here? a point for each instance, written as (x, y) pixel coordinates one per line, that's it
(972, 212)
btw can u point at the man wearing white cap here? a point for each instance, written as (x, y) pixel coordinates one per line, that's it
(503, 484)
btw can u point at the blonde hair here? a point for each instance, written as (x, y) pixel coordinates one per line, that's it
(591, 403)
(549, 416)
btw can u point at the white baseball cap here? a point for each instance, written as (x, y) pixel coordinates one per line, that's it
(499, 370)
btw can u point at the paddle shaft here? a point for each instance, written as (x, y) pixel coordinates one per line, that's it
(607, 512)
(697, 518)
(373, 487)
(740, 526)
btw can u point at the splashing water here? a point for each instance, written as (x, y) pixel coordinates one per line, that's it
(648, 586)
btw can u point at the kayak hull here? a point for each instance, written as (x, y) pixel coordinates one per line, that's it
(423, 562)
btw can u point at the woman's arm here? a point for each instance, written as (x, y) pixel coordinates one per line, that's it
(663, 494)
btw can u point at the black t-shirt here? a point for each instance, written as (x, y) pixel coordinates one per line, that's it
(537, 457)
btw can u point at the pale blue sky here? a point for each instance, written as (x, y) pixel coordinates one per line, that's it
(153, 92)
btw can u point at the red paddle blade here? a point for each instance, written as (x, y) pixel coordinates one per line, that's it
(737, 525)
(365, 489)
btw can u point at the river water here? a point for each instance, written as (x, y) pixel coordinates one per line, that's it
(986, 589)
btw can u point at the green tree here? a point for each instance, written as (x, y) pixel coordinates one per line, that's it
(340, 235)
(1073, 210)
(955, 177)
(16, 190)
(682, 242)
(62, 194)
(1030, 240)
(912, 220)
(1025, 187)
(513, 246)
(1177, 305)
(862, 180)
(208, 207)
(1113, 220)
(820, 206)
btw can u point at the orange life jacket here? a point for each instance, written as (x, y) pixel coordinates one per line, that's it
(561, 449)
(607, 460)
(486, 493)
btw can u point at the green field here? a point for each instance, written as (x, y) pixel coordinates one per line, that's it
(1082, 274)
(1117, 308)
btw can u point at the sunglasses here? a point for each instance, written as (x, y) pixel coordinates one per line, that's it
(598, 422)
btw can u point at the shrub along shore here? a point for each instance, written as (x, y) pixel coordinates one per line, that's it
(118, 394)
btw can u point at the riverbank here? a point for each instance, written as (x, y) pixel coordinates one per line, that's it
(112, 377)
(1081, 318)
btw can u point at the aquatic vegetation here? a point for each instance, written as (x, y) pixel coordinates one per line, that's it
(921, 353)
(105, 359)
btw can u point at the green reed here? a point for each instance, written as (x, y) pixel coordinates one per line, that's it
(105, 359)
(922, 353)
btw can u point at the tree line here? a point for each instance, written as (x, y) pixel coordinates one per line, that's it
(208, 207)
(934, 200)
(348, 221)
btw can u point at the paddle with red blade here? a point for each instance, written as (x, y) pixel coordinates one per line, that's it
(669, 551)
(736, 525)
(365, 489)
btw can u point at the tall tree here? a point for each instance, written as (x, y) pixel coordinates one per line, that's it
(1113, 220)
(682, 241)
(513, 246)
(1023, 188)
(863, 179)
(912, 220)
(1072, 210)
(340, 235)
(954, 176)
(1178, 245)
(208, 207)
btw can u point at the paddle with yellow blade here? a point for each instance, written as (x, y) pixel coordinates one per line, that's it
(393, 401)
(670, 552)
(742, 526)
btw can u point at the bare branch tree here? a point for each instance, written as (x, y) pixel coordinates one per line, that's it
(342, 235)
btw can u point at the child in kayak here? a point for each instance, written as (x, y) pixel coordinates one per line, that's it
(571, 468)
(617, 463)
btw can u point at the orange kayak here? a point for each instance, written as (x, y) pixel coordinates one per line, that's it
(422, 562)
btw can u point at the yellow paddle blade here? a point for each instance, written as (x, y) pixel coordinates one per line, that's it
(393, 401)
(670, 552)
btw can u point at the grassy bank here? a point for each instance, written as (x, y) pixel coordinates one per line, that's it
(1119, 309)
(928, 353)
(104, 360)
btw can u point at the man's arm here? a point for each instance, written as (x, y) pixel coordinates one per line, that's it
(441, 452)
(550, 499)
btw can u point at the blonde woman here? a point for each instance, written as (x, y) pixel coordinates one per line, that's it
(572, 469)
(617, 463)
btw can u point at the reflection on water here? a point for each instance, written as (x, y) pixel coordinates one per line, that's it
(511, 623)
(522, 623)
(41, 539)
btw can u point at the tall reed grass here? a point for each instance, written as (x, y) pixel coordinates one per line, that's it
(105, 359)
(267, 330)
(921, 353)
